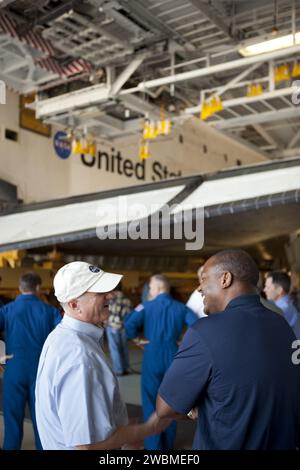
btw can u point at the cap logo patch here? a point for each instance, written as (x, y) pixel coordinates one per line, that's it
(94, 269)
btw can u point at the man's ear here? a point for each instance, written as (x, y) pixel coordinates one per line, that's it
(280, 290)
(226, 280)
(73, 304)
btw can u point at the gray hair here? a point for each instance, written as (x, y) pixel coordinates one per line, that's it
(162, 281)
(29, 282)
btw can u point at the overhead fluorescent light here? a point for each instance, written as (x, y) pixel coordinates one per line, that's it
(274, 44)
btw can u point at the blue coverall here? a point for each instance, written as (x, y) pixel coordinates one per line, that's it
(163, 319)
(26, 322)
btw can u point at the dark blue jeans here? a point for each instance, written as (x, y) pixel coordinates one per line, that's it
(118, 348)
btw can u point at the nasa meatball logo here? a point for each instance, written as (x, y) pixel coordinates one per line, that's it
(62, 145)
(94, 269)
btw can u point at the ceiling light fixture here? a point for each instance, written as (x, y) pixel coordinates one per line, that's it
(274, 44)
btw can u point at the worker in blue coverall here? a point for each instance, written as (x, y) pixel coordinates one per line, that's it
(26, 323)
(163, 319)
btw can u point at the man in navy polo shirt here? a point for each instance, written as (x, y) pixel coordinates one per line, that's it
(235, 366)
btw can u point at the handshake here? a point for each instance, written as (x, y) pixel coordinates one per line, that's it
(130, 437)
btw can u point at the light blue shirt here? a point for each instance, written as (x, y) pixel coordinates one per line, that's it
(290, 313)
(78, 399)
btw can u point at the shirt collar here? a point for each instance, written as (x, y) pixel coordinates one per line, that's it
(242, 300)
(282, 301)
(27, 297)
(82, 327)
(162, 295)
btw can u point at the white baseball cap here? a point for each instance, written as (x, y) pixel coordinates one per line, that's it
(74, 279)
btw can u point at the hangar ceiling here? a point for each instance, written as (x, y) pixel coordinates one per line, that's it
(117, 62)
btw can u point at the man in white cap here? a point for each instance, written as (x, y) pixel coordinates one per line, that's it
(78, 401)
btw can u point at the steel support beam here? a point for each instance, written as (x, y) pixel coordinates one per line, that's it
(211, 70)
(211, 14)
(268, 116)
(126, 74)
(236, 79)
(245, 7)
(15, 64)
(247, 100)
(46, 18)
(236, 138)
(70, 101)
(12, 83)
(287, 153)
(268, 138)
(294, 140)
(2, 92)
(151, 20)
(105, 121)
(140, 106)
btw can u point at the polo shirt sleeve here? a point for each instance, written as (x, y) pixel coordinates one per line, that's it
(134, 321)
(188, 376)
(84, 407)
(2, 318)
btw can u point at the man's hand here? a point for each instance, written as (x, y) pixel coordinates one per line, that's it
(193, 414)
(157, 425)
(132, 434)
(154, 425)
(5, 358)
(141, 342)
